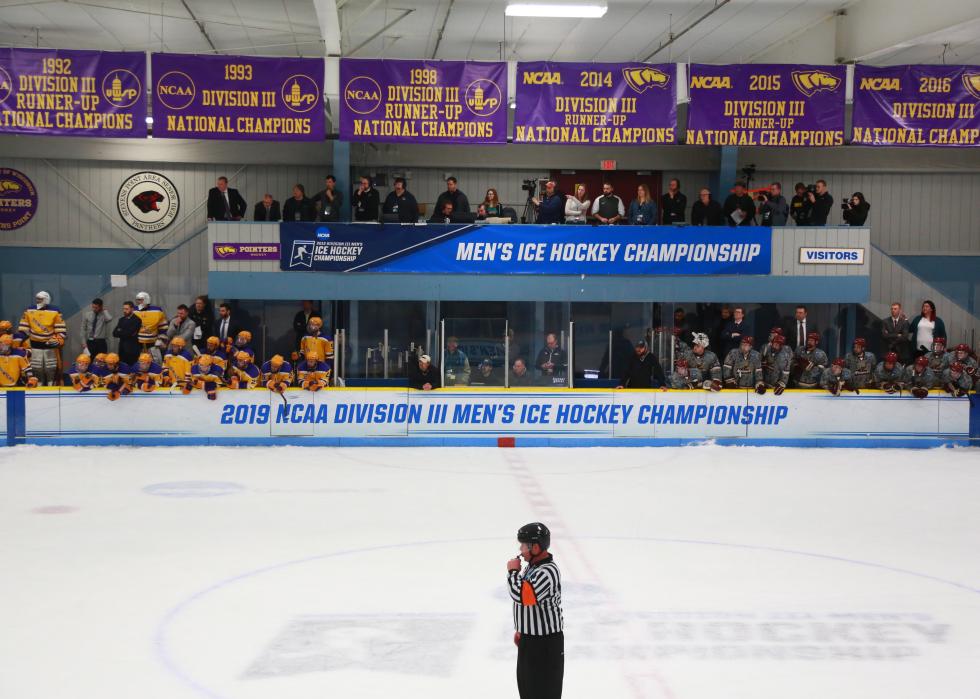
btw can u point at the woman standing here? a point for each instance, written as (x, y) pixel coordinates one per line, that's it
(925, 327)
(491, 204)
(643, 212)
(856, 210)
(577, 207)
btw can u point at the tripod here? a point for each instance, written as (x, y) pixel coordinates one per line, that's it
(530, 214)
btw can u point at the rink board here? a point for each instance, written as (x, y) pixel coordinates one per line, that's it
(377, 416)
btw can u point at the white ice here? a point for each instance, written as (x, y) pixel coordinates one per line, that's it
(690, 573)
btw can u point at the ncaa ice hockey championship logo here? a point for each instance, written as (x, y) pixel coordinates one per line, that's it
(148, 202)
(302, 254)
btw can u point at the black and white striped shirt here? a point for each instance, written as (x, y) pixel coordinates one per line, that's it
(537, 598)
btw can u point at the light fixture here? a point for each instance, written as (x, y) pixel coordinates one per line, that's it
(513, 103)
(542, 10)
(149, 120)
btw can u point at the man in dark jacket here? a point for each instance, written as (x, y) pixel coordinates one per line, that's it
(225, 204)
(799, 205)
(895, 334)
(735, 329)
(203, 316)
(551, 205)
(401, 203)
(739, 209)
(643, 370)
(673, 203)
(820, 204)
(366, 201)
(267, 210)
(706, 211)
(775, 209)
(128, 330)
(298, 207)
(328, 201)
(455, 196)
(551, 360)
(425, 375)
(302, 319)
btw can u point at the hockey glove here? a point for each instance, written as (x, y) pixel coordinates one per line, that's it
(780, 387)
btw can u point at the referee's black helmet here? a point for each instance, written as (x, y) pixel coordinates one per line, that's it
(535, 533)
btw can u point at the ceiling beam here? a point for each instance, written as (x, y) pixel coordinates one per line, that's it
(872, 29)
(328, 16)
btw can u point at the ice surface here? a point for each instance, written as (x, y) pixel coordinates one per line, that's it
(689, 573)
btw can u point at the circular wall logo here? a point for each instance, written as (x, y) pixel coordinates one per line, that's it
(362, 95)
(6, 84)
(121, 88)
(483, 97)
(18, 199)
(300, 93)
(176, 90)
(148, 202)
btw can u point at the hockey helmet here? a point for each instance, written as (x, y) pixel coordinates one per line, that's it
(6, 341)
(777, 339)
(938, 342)
(839, 362)
(111, 359)
(179, 343)
(42, 298)
(205, 360)
(143, 299)
(747, 340)
(100, 358)
(214, 342)
(315, 323)
(922, 362)
(6, 327)
(964, 348)
(956, 368)
(81, 360)
(891, 358)
(243, 357)
(145, 360)
(681, 364)
(535, 533)
(276, 362)
(860, 341)
(701, 339)
(243, 338)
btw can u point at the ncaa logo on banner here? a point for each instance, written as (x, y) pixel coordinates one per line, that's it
(148, 202)
(302, 254)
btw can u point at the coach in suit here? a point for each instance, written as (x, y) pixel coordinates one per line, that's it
(267, 209)
(225, 204)
(797, 329)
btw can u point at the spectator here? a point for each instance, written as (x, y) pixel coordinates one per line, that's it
(366, 200)
(643, 212)
(267, 209)
(327, 201)
(799, 206)
(401, 203)
(444, 214)
(706, 211)
(801, 327)
(608, 209)
(128, 330)
(457, 364)
(486, 375)
(577, 207)
(717, 334)
(643, 370)
(673, 202)
(895, 333)
(492, 207)
(424, 376)
(735, 330)
(298, 207)
(302, 320)
(203, 316)
(855, 210)
(225, 204)
(774, 210)
(739, 209)
(682, 327)
(551, 205)
(925, 327)
(95, 328)
(551, 360)
(820, 204)
(453, 194)
(181, 326)
(226, 326)
(519, 375)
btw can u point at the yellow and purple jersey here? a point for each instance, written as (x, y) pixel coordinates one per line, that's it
(177, 367)
(15, 369)
(319, 374)
(84, 379)
(320, 344)
(247, 376)
(152, 375)
(43, 326)
(283, 375)
(153, 324)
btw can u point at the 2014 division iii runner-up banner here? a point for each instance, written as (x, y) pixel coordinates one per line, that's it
(72, 93)
(423, 101)
(237, 97)
(595, 103)
(766, 105)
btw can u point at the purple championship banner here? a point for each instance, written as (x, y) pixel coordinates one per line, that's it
(595, 103)
(766, 105)
(55, 92)
(916, 106)
(423, 101)
(237, 97)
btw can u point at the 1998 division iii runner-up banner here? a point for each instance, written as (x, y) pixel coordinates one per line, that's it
(423, 101)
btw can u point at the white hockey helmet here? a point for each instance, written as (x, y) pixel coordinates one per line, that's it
(701, 339)
(143, 298)
(43, 298)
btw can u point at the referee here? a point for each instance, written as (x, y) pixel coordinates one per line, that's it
(537, 615)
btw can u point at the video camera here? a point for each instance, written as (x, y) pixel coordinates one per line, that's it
(530, 186)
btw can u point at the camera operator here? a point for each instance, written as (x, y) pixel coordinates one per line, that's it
(773, 208)
(551, 205)
(855, 210)
(799, 206)
(820, 203)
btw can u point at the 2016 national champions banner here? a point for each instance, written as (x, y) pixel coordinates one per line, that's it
(525, 249)
(766, 105)
(237, 97)
(595, 103)
(72, 93)
(916, 106)
(423, 101)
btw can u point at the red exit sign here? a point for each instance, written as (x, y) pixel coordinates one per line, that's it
(607, 164)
